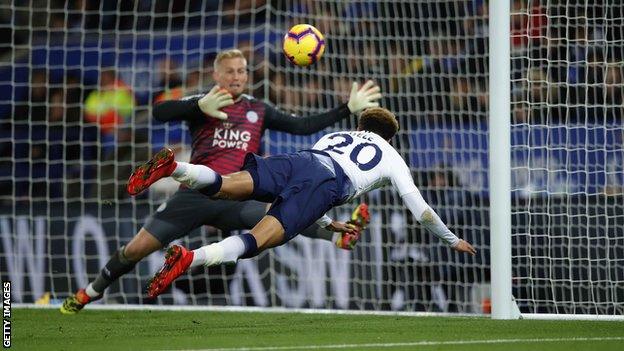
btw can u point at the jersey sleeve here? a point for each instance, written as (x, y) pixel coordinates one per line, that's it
(324, 221)
(277, 119)
(403, 183)
(185, 109)
(427, 217)
(400, 175)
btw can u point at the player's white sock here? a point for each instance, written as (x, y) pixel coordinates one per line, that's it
(227, 250)
(194, 176)
(180, 169)
(91, 292)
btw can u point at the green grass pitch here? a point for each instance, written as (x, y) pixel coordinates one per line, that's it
(46, 329)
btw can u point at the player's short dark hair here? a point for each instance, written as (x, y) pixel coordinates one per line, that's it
(380, 121)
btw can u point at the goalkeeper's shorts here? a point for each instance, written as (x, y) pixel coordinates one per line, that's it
(188, 209)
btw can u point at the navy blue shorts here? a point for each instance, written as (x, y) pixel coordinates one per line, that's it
(300, 187)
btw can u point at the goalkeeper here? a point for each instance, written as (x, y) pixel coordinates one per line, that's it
(225, 125)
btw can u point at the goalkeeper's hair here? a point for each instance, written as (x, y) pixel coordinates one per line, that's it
(228, 54)
(380, 121)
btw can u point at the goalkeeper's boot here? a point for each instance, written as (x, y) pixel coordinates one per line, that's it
(161, 165)
(75, 303)
(360, 218)
(177, 261)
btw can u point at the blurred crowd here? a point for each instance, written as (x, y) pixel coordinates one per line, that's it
(70, 137)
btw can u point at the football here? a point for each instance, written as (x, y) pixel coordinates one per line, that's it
(303, 44)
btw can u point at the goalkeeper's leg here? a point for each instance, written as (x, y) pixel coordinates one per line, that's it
(120, 263)
(179, 215)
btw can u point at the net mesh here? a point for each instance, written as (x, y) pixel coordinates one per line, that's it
(65, 158)
(567, 173)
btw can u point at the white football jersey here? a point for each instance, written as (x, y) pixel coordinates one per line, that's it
(368, 160)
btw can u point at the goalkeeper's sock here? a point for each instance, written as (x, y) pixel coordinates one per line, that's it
(198, 177)
(228, 250)
(117, 266)
(91, 292)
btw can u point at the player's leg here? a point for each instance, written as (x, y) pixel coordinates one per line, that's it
(246, 214)
(303, 190)
(235, 186)
(162, 164)
(268, 233)
(252, 211)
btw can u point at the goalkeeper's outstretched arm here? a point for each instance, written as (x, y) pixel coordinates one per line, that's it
(195, 107)
(178, 110)
(360, 98)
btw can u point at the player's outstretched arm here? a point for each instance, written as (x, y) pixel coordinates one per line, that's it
(360, 98)
(464, 246)
(427, 217)
(403, 182)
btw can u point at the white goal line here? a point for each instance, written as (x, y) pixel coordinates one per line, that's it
(136, 307)
(416, 343)
(577, 317)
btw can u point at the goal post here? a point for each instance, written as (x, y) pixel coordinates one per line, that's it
(499, 138)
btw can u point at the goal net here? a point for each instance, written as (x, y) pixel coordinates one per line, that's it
(566, 155)
(66, 151)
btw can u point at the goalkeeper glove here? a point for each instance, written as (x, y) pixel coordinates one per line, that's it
(215, 100)
(364, 97)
